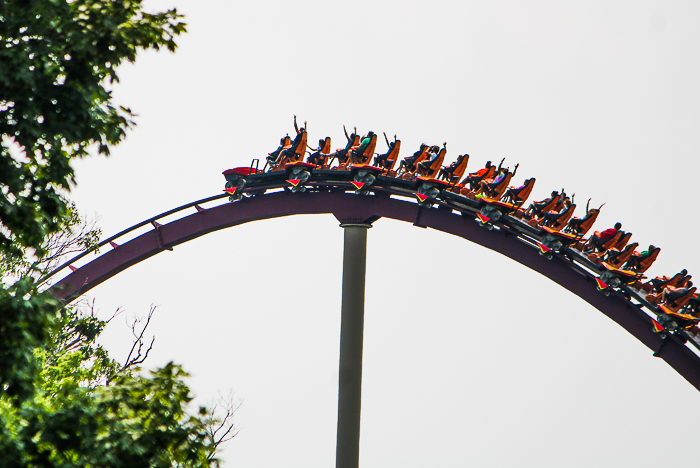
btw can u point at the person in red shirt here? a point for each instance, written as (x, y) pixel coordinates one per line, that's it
(597, 240)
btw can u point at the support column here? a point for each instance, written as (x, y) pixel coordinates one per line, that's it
(351, 333)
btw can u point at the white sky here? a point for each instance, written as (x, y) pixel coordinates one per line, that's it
(598, 97)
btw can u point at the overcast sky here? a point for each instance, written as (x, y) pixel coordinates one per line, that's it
(599, 97)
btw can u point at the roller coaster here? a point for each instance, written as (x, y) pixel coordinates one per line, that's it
(604, 269)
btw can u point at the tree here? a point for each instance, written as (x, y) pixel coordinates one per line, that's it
(90, 410)
(58, 60)
(64, 400)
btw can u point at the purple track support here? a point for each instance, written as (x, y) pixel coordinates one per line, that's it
(350, 208)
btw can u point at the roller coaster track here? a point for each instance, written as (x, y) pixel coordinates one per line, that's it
(268, 195)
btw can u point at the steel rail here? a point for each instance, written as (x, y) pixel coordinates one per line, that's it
(573, 273)
(65, 264)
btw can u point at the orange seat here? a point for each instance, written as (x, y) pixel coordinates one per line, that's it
(294, 153)
(408, 168)
(622, 241)
(323, 153)
(366, 155)
(608, 243)
(390, 158)
(640, 266)
(543, 209)
(618, 258)
(581, 226)
(453, 175)
(660, 282)
(497, 191)
(476, 179)
(677, 304)
(431, 171)
(285, 143)
(518, 198)
(326, 146)
(343, 153)
(563, 218)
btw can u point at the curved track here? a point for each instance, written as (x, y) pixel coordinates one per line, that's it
(510, 237)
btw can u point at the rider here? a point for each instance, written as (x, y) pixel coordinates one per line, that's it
(380, 161)
(408, 162)
(671, 294)
(537, 207)
(342, 154)
(434, 152)
(552, 217)
(447, 172)
(364, 144)
(601, 238)
(475, 177)
(272, 157)
(488, 188)
(295, 144)
(637, 258)
(679, 279)
(296, 127)
(317, 157)
(513, 193)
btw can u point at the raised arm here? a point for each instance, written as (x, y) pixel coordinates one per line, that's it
(296, 127)
(346, 133)
(516, 169)
(501, 165)
(387, 140)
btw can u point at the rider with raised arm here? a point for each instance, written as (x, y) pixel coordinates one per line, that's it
(295, 144)
(349, 137)
(475, 178)
(342, 154)
(296, 127)
(487, 188)
(317, 157)
(552, 216)
(380, 160)
(365, 142)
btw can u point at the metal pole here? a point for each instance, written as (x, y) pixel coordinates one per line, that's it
(347, 452)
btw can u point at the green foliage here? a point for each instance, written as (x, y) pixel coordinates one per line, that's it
(27, 313)
(57, 61)
(57, 58)
(89, 410)
(63, 401)
(75, 235)
(27, 316)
